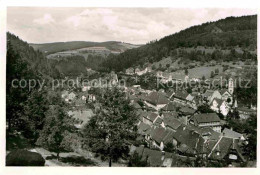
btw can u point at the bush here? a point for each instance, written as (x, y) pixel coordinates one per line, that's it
(24, 158)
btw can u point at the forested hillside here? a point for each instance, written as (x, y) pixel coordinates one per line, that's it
(49, 48)
(225, 34)
(35, 59)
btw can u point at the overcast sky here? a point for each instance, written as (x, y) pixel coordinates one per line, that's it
(132, 25)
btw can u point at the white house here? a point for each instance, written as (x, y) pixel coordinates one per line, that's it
(219, 105)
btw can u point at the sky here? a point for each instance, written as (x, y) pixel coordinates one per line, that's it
(131, 25)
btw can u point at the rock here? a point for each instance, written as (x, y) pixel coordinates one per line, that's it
(24, 158)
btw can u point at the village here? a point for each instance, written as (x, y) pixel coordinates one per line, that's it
(174, 124)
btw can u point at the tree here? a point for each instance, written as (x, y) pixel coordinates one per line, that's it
(204, 109)
(169, 147)
(57, 125)
(34, 114)
(186, 72)
(217, 71)
(251, 131)
(111, 131)
(189, 90)
(211, 74)
(203, 78)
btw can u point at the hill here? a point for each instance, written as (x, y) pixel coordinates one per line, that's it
(49, 48)
(224, 38)
(35, 60)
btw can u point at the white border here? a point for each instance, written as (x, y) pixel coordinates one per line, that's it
(109, 3)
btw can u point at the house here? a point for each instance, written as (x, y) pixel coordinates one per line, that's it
(228, 149)
(71, 96)
(209, 95)
(225, 95)
(186, 140)
(183, 98)
(64, 94)
(206, 120)
(130, 71)
(158, 135)
(219, 106)
(91, 98)
(113, 78)
(156, 100)
(232, 134)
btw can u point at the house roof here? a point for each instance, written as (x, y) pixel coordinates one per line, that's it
(169, 107)
(136, 106)
(172, 122)
(154, 157)
(206, 118)
(157, 98)
(231, 134)
(223, 146)
(219, 102)
(158, 120)
(142, 127)
(186, 136)
(208, 93)
(181, 94)
(222, 91)
(170, 114)
(152, 116)
(186, 110)
(159, 133)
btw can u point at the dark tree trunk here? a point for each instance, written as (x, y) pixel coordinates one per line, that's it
(110, 162)
(58, 155)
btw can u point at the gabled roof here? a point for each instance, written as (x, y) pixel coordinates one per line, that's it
(172, 122)
(222, 91)
(170, 114)
(143, 127)
(158, 120)
(152, 116)
(231, 134)
(186, 110)
(208, 93)
(205, 118)
(159, 133)
(223, 147)
(219, 102)
(186, 136)
(136, 105)
(157, 98)
(181, 94)
(154, 157)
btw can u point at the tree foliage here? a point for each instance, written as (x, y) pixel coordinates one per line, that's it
(111, 131)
